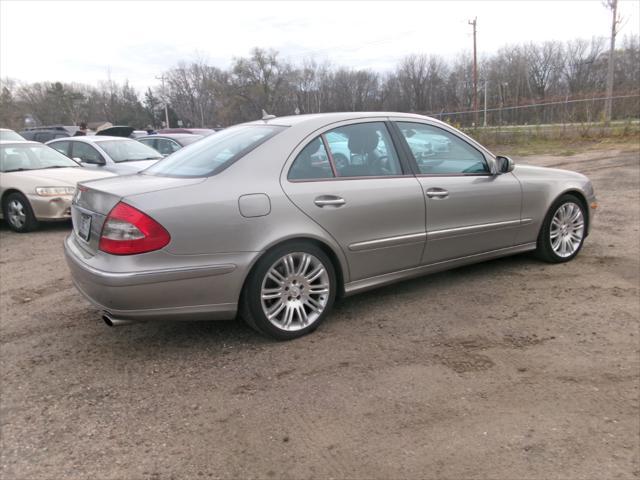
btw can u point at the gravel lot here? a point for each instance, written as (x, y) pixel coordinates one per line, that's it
(508, 369)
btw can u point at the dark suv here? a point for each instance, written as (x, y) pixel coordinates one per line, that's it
(46, 133)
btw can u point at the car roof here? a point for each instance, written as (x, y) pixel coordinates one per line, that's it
(6, 130)
(170, 135)
(326, 118)
(89, 138)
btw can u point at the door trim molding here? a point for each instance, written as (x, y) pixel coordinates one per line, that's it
(471, 229)
(388, 242)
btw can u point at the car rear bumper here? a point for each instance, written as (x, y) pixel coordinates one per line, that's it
(202, 292)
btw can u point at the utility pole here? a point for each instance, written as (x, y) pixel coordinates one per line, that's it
(484, 124)
(615, 20)
(475, 72)
(164, 94)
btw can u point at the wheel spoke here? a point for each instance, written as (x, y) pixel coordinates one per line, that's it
(315, 274)
(289, 265)
(271, 293)
(302, 315)
(275, 309)
(304, 264)
(318, 289)
(288, 316)
(313, 304)
(276, 276)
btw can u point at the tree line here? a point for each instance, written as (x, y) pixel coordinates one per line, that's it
(202, 95)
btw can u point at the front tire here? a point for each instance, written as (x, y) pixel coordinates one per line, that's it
(290, 291)
(18, 213)
(563, 231)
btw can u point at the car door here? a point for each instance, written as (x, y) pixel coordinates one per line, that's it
(469, 209)
(368, 202)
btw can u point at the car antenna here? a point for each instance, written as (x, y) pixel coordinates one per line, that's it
(266, 116)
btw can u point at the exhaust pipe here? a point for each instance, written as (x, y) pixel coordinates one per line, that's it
(114, 322)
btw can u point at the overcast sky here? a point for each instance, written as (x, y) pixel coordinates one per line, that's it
(137, 40)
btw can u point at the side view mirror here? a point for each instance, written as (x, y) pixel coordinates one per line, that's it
(99, 162)
(504, 164)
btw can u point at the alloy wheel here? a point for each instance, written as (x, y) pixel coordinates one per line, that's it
(567, 229)
(295, 291)
(16, 213)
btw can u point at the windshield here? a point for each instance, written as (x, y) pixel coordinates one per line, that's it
(15, 158)
(10, 135)
(214, 153)
(127, 150)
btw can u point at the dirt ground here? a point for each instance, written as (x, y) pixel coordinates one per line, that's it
(507, 369)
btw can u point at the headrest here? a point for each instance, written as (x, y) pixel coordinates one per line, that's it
(362, 140)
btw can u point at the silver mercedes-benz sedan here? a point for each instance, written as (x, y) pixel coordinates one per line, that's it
(260, 220)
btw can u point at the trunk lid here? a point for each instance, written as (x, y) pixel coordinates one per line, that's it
(95, 199)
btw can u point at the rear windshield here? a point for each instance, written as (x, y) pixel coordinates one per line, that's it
(215, 152)
(126, 150)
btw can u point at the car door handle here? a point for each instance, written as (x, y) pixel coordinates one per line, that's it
(329, 201)
(437, 193)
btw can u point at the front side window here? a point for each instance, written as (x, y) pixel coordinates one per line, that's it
(215, 152)
(311, 163)
(86, 153)
(127, 150)
(438, 152)
(363, 150)
(15, 158)
(62, 147)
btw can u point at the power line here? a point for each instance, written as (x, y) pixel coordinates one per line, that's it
(564, 102)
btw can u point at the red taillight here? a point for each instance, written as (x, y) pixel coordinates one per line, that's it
(128, 231)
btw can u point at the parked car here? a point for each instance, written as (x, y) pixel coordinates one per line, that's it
(168, 143)
(113, 154)
(47, 133)
(243, 221)
(37, 183)
(9, 135)
(205, 132)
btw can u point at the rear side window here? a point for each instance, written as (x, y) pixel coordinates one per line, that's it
(363, 150)
(311, 163)
(214, 153)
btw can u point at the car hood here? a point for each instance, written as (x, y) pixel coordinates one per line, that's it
(57, 176)
(535, 170)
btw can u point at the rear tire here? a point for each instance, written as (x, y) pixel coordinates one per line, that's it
(18, 213)
(289, 292)
(563, 231)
